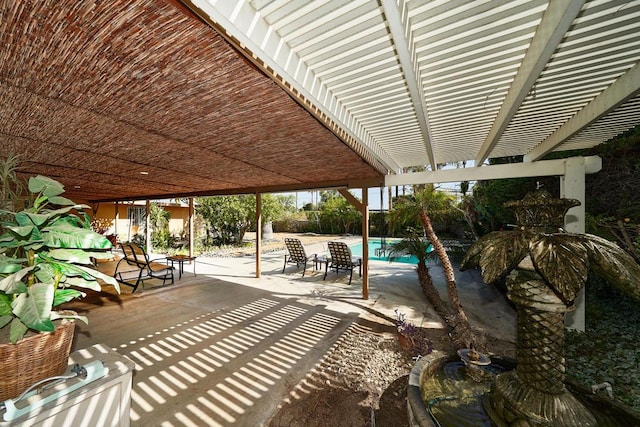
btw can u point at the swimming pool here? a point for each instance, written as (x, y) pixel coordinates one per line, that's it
(374, 244)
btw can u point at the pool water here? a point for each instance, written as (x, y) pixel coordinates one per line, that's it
(374, 244)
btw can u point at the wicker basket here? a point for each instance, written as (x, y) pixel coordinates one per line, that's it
(34, 358)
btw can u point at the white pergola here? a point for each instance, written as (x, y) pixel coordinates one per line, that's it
(418, 82)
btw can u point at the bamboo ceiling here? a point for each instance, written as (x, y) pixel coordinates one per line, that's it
(96, 93)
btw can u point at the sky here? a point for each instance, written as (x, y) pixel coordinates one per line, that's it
(304, 197)
(376, 196)
(376, 199)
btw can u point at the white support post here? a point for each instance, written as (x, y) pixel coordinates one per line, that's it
(572, 186)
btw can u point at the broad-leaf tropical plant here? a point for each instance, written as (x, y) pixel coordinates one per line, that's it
(45, 254)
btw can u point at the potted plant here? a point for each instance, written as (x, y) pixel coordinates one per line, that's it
(46, 251)
(411, 338)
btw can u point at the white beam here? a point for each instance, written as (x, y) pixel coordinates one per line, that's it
(624, 88)
(554, 24)
(258, 39)
(398, 22)
(556, 167)
(572, 186)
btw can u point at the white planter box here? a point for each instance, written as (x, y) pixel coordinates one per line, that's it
(103, 402)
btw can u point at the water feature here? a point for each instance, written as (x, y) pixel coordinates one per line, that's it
(445, 392)
(546, 268)
(453, 392)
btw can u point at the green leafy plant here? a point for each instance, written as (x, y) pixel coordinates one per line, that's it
(45, 253)
(337, 215)
(10, 185)
(608, 348)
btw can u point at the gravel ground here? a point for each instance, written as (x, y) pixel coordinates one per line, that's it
(346, 388)
(367, 362)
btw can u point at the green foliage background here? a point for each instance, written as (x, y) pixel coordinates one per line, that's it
(613, 192)
(610, 193)
(227, 218)
(337, 215)
(161, 237)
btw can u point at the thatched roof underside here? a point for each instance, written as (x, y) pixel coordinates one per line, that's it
(95, 93)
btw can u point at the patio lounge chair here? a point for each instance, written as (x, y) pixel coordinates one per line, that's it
(135, 267)
(340, 258)
(296, 254)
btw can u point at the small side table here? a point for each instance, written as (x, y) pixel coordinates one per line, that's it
(181, 259)
(320, 260)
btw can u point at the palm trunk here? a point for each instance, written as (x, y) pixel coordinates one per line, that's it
(465, 336)
(471, 225)
(432, 294)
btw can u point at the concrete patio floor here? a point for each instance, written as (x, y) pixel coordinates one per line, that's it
(224, 348)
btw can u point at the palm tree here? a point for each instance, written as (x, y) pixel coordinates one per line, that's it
(420, 247)
(427, 204)
(467, 206)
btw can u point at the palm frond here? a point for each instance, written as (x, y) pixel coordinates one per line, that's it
(561, 259)
(615, 265)
(496, 254)
(414, 245)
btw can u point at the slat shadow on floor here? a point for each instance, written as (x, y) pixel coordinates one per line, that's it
(209, 352)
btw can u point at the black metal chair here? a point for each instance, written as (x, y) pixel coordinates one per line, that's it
(296, 254)
(340, 258)
(136, 257)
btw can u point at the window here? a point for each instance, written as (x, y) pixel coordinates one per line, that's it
(137, 216)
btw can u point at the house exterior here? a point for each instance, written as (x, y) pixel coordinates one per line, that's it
(129, 219)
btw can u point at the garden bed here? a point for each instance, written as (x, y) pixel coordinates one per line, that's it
(608, 350)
